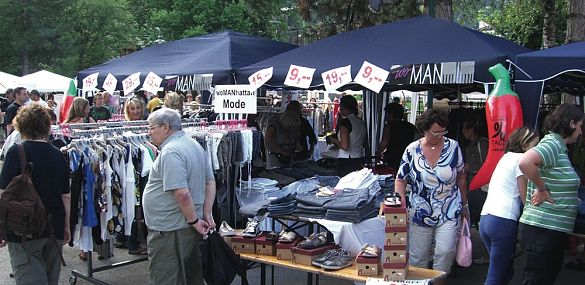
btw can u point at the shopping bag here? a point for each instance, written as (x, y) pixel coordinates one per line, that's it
(220, 263)
(464, 255)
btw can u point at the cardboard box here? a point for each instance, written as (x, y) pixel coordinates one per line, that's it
(395, 272)
(396, 216)
(368, 266)
(306, 256)
(396, 236)
(395, 254)
(241, 244)
(284, 250)
(264, 246)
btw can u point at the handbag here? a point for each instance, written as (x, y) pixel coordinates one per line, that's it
(464, 251)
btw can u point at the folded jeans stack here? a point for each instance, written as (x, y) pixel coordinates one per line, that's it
(352, 205)
(283, 205)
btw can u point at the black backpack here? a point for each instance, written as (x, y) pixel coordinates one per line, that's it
(21, 209)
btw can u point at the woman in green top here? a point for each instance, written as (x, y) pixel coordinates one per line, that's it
(551, 197)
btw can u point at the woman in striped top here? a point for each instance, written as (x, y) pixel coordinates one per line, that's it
(551, 197)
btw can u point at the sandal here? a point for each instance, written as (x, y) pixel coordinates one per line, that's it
(83, 256)
(370, 250)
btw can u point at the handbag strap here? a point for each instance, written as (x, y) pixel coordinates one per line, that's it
(22, 154)
(465, 228)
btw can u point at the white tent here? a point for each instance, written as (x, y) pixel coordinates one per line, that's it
(8, 80)
(45, 81)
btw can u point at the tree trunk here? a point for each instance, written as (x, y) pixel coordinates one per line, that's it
(549, 29)
(442, 9)
(24, 62)
(576, 22)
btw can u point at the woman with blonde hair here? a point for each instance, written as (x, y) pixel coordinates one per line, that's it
(79, 112)
(174, 101)
(134, 109)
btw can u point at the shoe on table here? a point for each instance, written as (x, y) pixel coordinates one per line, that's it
(392, 199)
(324, 257)
(314, 241)
(252, 229)
(338, 261)
(225, 230)
(369, 250)
(287, 237)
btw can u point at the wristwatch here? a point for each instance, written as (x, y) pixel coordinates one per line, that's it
(193, 222)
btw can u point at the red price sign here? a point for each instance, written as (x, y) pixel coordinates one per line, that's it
(299, 76)
(335, 78)
(90, 81)
(371, 77)
(260, 77)
(110, 83)
(131, 82)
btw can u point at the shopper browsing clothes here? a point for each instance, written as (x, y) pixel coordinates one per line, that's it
(352, 138)
(433, 167)
(397, 134)
(134, 109)
(282, 139)
(98, 111)
(79, 112)
(551, 197)
(38, 261)
(307, 137)
(474, 155)
(503, 206)
(178, 201)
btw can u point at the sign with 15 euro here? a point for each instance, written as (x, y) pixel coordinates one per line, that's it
(235, 99)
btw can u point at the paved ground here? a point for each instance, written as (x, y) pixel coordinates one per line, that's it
(137, 273)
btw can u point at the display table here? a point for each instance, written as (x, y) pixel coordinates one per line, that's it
(348, 273)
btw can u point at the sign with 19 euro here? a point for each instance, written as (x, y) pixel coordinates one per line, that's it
(90, 81)
(110, 83)
(371, 77)
(131, 82)
(260, 77)
(239, 99)
(299, 76)
(335, 78)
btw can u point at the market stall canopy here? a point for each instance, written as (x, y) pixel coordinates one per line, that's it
(555, 69)
(453, 54)
(45, 81)
(220, 54)
(8, 80)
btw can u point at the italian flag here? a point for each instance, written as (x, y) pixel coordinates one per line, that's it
(67, 101)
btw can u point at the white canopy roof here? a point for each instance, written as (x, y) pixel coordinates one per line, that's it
(8, 80)
(45, 81)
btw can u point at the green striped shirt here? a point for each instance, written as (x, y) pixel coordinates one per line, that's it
(562, 182)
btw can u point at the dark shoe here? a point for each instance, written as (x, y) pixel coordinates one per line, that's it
(140, 251)
(83, 256)
(338, 261)
(324, 257)
(314, 241)
(118, 244)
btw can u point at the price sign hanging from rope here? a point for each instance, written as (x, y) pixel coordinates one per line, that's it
(260, 77)
(335, 78)
(371, 77)
(299, 76)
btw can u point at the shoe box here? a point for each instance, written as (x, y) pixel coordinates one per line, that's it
(228, 239)
(395, 258)
(242, 244)
(368, 266)
(395, 272)
(306, 256)
(265, 246)
(284, 250)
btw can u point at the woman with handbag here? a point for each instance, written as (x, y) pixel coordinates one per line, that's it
(503, 206)
(37, 261)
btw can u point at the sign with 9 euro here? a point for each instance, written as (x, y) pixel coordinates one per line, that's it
(299, 76)
(371, 77)
(238, 99)
(110, 83)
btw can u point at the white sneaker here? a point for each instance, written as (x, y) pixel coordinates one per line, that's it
(287, 237)
(252, 229)
(225, 230)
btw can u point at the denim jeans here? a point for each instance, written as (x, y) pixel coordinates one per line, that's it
(499, 236)
(420, 241)
(543, 251)
(352, 199)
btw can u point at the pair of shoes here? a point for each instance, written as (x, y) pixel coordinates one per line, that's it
(392, 199)
(334, 259)
(287, 237)
(225, 230)
(481, 260)
(252, 229)
(83, 256)
(314, 241)
(369, 250)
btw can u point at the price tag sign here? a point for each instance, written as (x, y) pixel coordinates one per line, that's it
(335, 78)
(371, 77)
(152, 83)
(90, 81)
(131, 82)
(299, 76)
(260, 77)
(110, 83)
